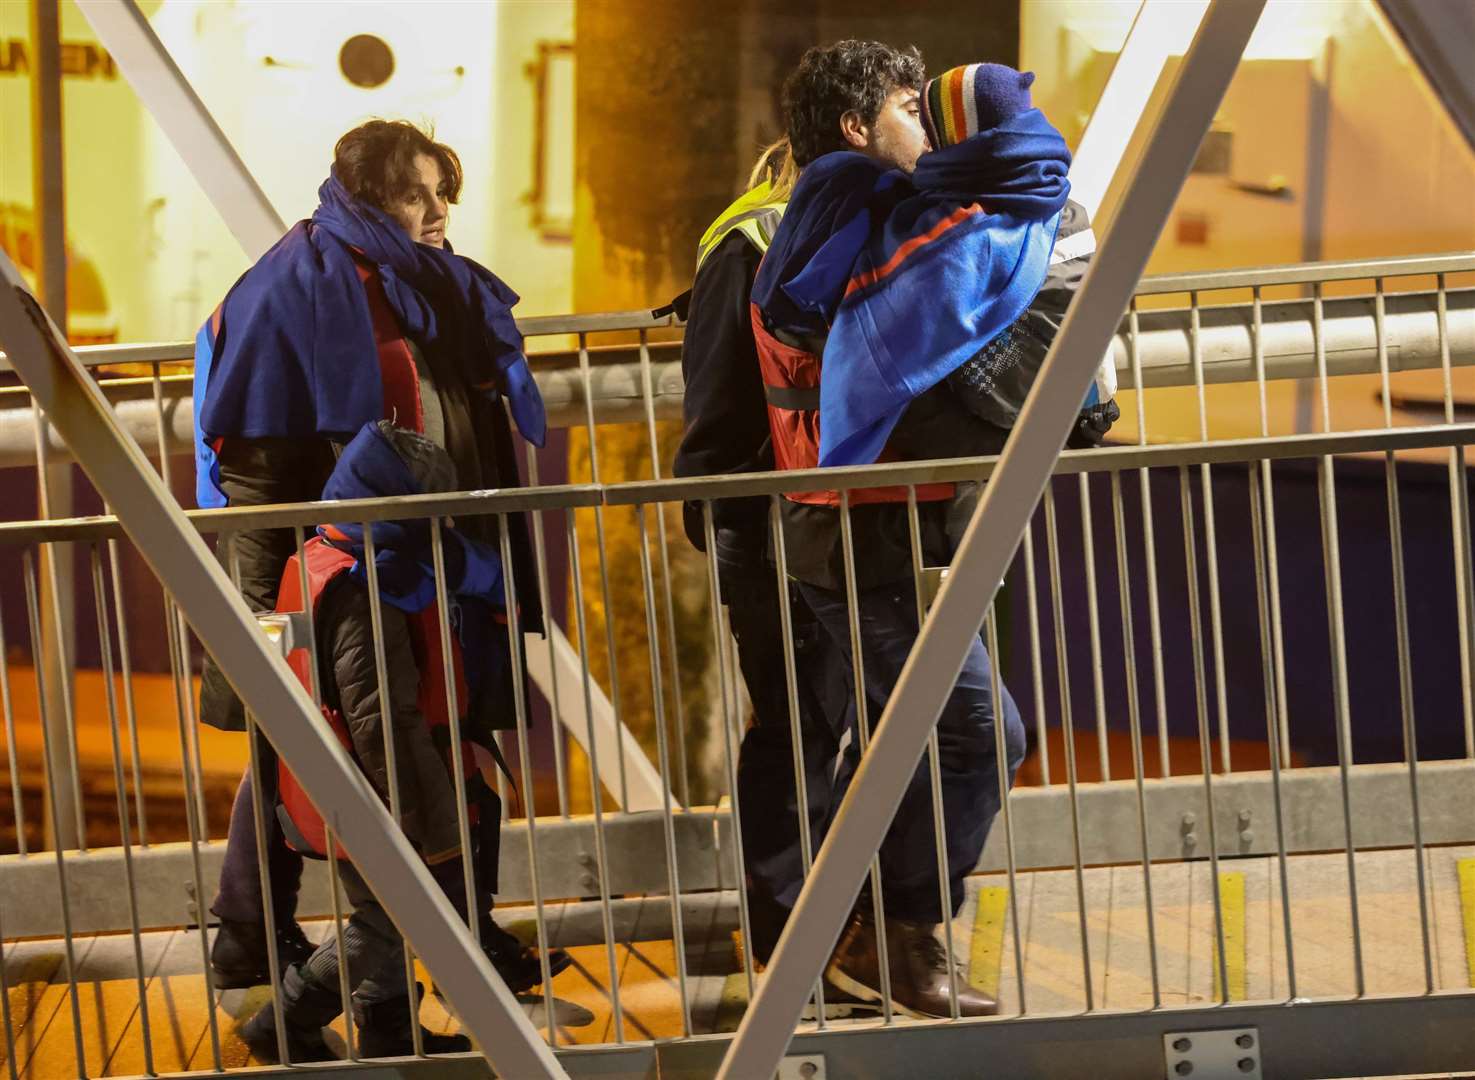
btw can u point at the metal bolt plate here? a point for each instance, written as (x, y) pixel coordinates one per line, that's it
(1225, 1054)
(802, 1067)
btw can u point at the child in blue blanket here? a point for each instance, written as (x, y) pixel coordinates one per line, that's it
(993, 384)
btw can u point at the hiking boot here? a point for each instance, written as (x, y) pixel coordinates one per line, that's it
(238, 955)
(518, 964)
(307, 1008)
(919, 976)
(384, 1030)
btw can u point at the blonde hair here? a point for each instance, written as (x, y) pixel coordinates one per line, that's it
(776, 166)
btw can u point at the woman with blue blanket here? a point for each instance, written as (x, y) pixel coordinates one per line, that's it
(360, 313)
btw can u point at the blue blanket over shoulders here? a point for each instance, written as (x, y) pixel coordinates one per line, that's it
(910, 276)
(291, 352)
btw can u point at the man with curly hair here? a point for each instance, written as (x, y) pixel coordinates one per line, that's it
(853, 113)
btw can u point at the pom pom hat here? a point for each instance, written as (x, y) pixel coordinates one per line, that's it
(976, 97)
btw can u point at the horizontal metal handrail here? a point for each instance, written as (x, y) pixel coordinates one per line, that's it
(1312, 273)
(849, 478)
(1153, 285)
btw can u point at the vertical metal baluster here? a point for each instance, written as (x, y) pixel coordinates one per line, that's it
(603, 551)
(1093, 615)
(729, 752)
(192, 727)
(1205, 757)
(183, 692)
(1211, 532)
(130, 711)
(1459, 524)
(453, 713)
(1134, 717)
(934, 766)
(1272, 546)
(519, 698)
(1400, 613)
(595, 785)
(673, 879)
(1274, 713)
(258, 825)
(335, 886)
(1069, 735)
(1326, 483)
(863, 726)
(796, 728)
(667, 591)
(9, 713)
(1001, 757)
(555, 720)
(391, 764)
(64, 663)
(1149, 543)
(1036, 664)
(125, 831)
(33, 608)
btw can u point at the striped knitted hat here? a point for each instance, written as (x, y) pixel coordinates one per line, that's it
(976, 97)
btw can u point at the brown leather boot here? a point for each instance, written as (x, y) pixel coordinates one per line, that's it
(920, 983)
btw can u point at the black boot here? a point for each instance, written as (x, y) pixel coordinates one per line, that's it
(384, 1030)
(518, 964)
(307, 1008)
(238, 956)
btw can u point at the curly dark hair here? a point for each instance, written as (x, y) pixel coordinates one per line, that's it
(832, 80)
(376, 161)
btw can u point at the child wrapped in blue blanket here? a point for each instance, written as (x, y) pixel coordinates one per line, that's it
(964, 103)
(937, 295)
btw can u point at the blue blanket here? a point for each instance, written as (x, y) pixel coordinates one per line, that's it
(910, 276)
(290, 351)
(370, 467)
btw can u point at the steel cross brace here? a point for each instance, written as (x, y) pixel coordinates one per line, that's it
(986, 550)
(190, 573)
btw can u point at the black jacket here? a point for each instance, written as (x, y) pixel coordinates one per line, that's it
(724, 409)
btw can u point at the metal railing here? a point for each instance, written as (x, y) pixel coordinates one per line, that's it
(594, 880)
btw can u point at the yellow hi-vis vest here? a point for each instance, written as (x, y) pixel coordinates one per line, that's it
(755, 214)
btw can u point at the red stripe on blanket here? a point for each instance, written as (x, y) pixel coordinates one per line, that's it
(870, 277)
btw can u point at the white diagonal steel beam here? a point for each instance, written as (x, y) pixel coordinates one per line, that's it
(125, 31)
(190, 573)
(1159, 30)
(1008, 501)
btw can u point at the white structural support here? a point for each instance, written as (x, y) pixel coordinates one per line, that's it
(613, 739)
(1162, 29)
(191, 575)
(125, 31)
(1008, 501)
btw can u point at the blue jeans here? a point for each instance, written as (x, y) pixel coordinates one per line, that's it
(966, 750)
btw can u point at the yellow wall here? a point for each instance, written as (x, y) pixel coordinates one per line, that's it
(1325, 101)
(165, 255)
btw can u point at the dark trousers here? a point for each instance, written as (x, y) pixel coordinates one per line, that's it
(966, 750)
(240, 896)
(768, 795)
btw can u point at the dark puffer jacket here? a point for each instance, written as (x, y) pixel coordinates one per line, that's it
(386, 461)
(265, 471)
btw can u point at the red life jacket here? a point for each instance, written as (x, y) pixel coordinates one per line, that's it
(791, 389)
(324, 564)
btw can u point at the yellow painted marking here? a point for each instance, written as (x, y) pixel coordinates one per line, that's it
(1467, 911)
(1232, 904)
(986, 953)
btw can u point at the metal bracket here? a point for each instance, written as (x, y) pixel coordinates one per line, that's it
(1224, 1054)
(801, 1067)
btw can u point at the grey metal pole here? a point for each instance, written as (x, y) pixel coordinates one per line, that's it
(1007, 503)
(189, 571)
(55, 658)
